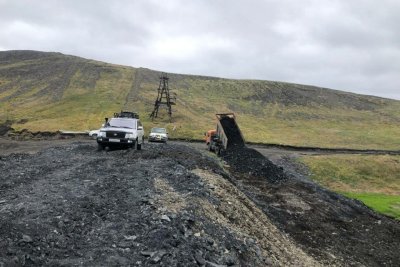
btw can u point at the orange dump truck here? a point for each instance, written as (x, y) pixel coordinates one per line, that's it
(226, 135)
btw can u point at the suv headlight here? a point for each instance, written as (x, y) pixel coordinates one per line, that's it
(101, 134)
(130, 136)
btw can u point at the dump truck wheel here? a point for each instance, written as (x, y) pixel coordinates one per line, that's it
(210, 148)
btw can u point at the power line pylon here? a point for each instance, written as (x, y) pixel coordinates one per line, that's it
(163, 98)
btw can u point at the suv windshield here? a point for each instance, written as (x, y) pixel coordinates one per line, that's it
(123, 123)
(158, 130)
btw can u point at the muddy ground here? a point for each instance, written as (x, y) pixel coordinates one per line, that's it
(63, 203)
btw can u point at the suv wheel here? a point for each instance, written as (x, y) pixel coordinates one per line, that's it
(100, 147)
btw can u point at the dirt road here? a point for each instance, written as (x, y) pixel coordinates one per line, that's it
(64, 203)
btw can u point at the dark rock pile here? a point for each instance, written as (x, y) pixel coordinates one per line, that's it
(247, 161)
(73, 205)
(327, 225)
(244, 160)
(171, 205)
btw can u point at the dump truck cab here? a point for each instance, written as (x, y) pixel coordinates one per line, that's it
(209, 135)
(211, 139)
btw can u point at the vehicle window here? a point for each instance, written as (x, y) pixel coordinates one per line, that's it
(123, 123)
(158, 130)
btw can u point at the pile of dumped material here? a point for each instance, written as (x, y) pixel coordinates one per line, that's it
(172, 205)
(247, 161)
(167, 204)
(326, 224)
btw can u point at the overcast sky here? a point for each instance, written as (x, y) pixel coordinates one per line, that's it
(350, 45)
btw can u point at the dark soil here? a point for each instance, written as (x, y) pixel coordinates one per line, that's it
(72, 205)
(25, 135)
(172, 205)
(249, 162)
(326, 224)
(5, 127)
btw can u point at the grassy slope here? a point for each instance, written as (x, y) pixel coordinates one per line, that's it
(267, 112)
(93, 91)
(199, 98)
(375, 180)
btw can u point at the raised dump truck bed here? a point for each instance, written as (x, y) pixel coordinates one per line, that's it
(228, 134)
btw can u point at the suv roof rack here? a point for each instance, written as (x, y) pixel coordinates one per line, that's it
(126, 114)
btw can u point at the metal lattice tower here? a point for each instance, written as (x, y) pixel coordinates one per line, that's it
(164, 97)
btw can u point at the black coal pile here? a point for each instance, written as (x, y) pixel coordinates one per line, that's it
(247, 161)
(232, 132)
(73, 205)
(171, 205)
(326, 224)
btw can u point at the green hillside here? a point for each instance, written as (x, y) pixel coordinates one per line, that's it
(50, 91)
(373, 179)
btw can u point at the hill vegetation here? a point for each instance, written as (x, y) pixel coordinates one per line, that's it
(51, 91)
(373, 179)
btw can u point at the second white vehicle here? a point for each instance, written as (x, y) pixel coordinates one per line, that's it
(158, 135)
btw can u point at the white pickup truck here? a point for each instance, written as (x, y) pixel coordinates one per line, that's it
(121, 131)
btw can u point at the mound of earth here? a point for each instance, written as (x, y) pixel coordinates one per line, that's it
(327, 225)
(249, 162)
(168, 205)
(173, 205)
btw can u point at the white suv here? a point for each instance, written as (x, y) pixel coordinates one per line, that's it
(121, 131)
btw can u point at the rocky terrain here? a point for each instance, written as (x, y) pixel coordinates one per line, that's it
(174, 205)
